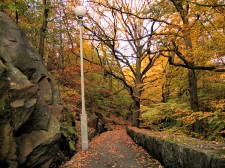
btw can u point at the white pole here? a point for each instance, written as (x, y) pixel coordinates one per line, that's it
(84, 130)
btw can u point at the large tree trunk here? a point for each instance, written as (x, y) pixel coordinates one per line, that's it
(194, 99)
(191, 72)
(193, 90)
(137, 95)
(135, 108)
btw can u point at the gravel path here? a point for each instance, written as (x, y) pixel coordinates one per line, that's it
(113, 149)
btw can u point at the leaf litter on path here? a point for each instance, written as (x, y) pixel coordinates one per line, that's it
(113, 149)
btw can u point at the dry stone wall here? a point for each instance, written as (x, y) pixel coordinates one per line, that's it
(177, 155)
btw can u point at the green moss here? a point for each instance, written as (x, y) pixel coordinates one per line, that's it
(72, 146)
(68, 131)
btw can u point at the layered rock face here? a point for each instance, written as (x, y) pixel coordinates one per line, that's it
(29, 110)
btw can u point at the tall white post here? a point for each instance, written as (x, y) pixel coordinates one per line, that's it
(80, 12)
(84, 130)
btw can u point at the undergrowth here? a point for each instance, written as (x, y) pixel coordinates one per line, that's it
(175, 116)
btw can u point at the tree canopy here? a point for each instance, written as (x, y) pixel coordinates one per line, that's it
(139, 52)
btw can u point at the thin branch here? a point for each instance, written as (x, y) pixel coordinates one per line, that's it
(207, 5)
(137, 16)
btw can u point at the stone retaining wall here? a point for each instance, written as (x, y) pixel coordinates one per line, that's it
(177, 155)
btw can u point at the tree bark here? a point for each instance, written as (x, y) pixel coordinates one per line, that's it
(193, 90)
(184, 10)
(43, 29)
(137, 95)
(166, 89)
(135, 108)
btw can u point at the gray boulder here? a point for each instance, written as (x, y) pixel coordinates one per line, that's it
(29, 111)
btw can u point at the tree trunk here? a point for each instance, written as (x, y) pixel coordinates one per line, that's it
(165, 92)
(17, 17)
(43, 29)
(193, 90)
(183, 9)
(137, 95)
(165, 97)
(135, 108)
(191, 72)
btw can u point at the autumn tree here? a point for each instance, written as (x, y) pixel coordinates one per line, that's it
(123, 41)
(189, 30)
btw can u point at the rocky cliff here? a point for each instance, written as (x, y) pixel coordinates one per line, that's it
(29, 111)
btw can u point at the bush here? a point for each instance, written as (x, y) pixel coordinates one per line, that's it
(69, 134)
(164, 115)
(174, 116)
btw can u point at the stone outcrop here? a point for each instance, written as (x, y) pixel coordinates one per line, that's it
(97, 124)
(29, 111)
(174, 154)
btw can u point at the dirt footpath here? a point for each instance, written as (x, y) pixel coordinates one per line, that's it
(113, 149)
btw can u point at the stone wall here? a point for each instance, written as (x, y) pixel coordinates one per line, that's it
(29, 110)
(179, 155)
